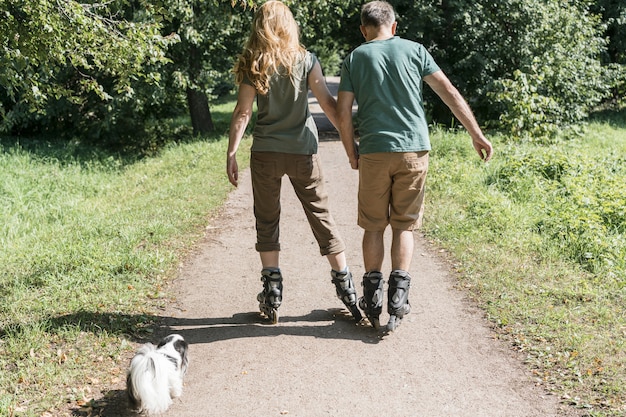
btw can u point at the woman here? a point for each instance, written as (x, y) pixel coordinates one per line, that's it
(277, 70)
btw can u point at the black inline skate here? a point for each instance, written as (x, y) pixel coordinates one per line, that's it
(346, 291)
(398, 298)
(272, 295)
(372, 301)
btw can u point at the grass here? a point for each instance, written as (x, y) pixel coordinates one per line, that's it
(91, 240)
(538, 236)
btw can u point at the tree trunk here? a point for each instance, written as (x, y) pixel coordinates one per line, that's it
(197, 100)
(199, 111)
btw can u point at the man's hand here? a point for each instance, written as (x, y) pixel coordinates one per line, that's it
(354, 160)
(483, 147)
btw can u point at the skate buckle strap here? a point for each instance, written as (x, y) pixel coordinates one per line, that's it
(373, 275)
(344, 285)
(400, 279)
(402, 285)
(268, 275)
(343, 282)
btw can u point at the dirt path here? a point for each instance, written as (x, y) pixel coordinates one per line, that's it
(442, 361)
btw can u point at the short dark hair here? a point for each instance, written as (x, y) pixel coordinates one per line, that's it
(377, 13)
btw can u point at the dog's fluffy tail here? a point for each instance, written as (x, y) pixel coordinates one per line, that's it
(147, 381)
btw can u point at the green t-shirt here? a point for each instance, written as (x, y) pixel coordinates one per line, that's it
(386, 79)
(284, 122)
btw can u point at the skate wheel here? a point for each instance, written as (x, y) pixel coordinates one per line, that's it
(393, 323)
(374, 321)
(273, 315)
(356, 313)
(270, 313)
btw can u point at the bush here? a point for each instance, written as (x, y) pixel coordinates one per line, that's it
(530, 67)
(557, 87)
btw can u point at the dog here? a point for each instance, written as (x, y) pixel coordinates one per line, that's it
(156, 374)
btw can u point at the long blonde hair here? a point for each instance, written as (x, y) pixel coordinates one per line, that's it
(273, 46)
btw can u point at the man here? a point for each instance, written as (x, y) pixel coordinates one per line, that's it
(385, 75)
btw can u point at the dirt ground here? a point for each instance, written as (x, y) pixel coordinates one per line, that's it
(442, 361)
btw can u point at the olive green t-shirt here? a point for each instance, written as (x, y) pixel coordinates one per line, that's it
(386, 79)
(284, 122)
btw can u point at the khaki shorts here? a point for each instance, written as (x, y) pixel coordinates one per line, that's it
(391, 190)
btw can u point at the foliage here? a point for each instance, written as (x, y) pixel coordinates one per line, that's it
(122, 72)
(59, 56)
(118, 72)
(210, 31)
(528, 66)
(613, 13)
(324, 24)
(559, 83)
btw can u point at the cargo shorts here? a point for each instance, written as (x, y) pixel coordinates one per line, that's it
(391, 190)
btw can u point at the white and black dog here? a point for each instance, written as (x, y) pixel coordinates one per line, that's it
(156, 374)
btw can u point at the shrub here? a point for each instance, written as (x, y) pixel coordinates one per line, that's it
(530, 67)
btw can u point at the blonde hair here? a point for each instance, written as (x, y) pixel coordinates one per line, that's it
(273, 47)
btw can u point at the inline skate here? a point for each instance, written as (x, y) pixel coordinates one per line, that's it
(272, 295)
(398, 298)
(346, 291)
(372, 301)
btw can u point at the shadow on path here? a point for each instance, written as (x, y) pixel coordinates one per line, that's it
(322, 324)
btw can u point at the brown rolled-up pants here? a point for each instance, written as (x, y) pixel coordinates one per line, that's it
(305, 174)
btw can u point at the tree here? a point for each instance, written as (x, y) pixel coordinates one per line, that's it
(329, 28)
(117, 71)
(212, 32)
(528, 66)
(560, 78)
(57, 54)
(613, 13)
(113, 71)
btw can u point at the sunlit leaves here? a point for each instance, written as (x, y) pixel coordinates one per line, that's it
(62, 49)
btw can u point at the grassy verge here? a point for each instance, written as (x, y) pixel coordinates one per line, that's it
(539, 239)
(89, 241)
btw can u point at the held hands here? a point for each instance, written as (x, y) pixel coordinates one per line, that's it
(232, 169)
(354, 159)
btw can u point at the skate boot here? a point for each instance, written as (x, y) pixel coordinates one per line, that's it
(346, 291)
(398, 297)
(372, 301)
(272, 295)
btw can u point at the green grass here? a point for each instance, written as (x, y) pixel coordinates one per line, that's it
(89, 242)
(538, 236)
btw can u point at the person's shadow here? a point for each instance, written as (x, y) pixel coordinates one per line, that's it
(331, 324)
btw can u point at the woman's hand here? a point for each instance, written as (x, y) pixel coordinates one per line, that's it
(232, 169)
